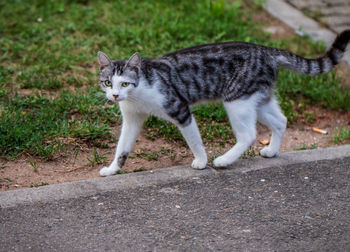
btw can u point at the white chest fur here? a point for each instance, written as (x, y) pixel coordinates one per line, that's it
(146, 99)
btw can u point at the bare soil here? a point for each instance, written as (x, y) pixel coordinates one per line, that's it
(26, 171)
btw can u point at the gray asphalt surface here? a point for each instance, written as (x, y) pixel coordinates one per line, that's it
(299, 207)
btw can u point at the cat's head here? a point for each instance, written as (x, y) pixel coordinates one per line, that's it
(119, 78)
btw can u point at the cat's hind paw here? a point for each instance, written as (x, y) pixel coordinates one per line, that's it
(199, 164)
(108, 171)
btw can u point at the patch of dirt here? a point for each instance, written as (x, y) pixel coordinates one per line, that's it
(148, 154)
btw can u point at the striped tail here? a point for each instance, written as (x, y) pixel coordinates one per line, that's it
(319, 65)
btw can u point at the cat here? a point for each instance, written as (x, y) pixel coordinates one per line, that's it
(240, 74)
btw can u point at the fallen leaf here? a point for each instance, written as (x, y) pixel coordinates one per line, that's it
(265, 141)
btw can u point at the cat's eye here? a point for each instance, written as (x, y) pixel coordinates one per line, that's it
(108, 83)
(125, 84)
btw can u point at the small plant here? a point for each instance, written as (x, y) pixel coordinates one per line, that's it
(139, 170)
(149, 156)
(154, 155)
(343, 134)
(97, 158)
(76, 154)
(170, 152)
(250, 153)
(309, 116)
(38, 185)
(315, 14)
(34, 165)
(6, 179)
(308, 147)
(121, 172)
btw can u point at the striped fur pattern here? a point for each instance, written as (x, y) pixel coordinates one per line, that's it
(234, 72)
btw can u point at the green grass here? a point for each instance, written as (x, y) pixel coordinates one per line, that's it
(97, 158)
(342, 135)
(49, 97)
(34, 124)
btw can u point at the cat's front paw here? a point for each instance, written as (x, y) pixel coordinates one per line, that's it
(199, 164)
(221, 161)
(108, 171)
(268, 152)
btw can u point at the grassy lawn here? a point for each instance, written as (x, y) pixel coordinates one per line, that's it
(49, 95)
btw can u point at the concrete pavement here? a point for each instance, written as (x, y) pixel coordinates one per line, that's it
(333, 13)
(292, 15)
(299, 201)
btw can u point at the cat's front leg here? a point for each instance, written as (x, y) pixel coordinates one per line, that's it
(132, 123)
(194, 141)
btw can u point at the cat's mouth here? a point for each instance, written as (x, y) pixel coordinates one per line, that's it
(117, 99)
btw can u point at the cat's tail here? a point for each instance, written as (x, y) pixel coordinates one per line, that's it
(319, 65)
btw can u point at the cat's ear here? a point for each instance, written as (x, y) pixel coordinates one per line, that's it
(134, 63)
(103, 60)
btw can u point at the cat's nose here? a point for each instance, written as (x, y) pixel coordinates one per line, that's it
(115, 96)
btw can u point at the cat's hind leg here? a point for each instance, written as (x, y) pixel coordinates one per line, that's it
(193, 138)
(132, 123)
(242, 116)
(271, 116)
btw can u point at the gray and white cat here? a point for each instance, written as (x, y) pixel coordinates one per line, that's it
(242, 75)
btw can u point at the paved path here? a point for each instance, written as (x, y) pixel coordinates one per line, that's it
(299, 201)
(335, 13)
